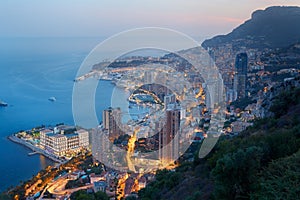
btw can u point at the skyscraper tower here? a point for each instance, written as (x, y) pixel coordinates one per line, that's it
(168, 140)
(112, 122)
(169, 99)
(241, 63)
(100, 144)
(240, 78)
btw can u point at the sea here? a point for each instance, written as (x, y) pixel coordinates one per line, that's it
(31, 71)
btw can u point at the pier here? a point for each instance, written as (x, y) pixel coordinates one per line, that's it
(35, 150)
(32, 153)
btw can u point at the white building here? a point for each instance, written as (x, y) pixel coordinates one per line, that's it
(59, 144)
(83, 138)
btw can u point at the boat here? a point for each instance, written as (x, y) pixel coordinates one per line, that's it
(3, 104)
(52, 99)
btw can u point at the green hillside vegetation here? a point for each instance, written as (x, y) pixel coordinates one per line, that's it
(261, 163)
(83, 195)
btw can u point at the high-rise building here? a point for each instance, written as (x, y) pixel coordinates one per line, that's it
(107, 117)
(169, 99)
(100, 144)
(169, 136)
(240, 86)
(241, 63)
(112, 122)
(240, 78)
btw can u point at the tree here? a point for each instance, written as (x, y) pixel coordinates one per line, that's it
(101, 196)
(130, 198)
(235, 172)
(280, 180)
(82, 195)
(4, 197)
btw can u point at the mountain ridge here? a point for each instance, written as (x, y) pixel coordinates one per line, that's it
(265, 29)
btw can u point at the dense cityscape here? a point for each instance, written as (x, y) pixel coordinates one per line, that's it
(244, 94)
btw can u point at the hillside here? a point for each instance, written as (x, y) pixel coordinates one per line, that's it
(282, 58)
(261, 163)
(270, 28)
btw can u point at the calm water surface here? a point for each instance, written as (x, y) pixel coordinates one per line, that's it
(31, 71)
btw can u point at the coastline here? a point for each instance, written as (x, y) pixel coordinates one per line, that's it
(35, 149)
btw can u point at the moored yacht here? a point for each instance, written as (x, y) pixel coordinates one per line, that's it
(52, 99)
(3, 104)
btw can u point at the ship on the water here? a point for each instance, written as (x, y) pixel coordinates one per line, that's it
(52, 99)
(3, 104)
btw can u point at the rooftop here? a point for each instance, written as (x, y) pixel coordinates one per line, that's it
(47, 131)
(71, 135)
(100, 184)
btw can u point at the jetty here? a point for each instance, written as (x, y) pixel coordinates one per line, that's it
(35, 149)
(32, 153)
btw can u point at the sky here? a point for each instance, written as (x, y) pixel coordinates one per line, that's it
(103, 18)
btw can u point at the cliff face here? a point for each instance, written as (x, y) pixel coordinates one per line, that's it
(273, 27)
